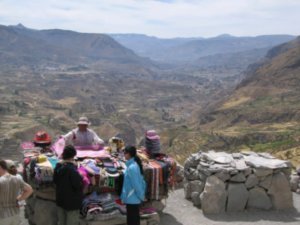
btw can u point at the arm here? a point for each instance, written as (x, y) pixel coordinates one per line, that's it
(97, 140)
(27, 191)
(69, 137)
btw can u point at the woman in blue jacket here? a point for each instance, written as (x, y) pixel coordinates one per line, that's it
(133, 192)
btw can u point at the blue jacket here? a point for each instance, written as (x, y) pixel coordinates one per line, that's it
(134, 185)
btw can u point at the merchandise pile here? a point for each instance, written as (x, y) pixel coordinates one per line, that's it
(102, 171)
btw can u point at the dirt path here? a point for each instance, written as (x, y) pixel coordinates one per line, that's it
(179, 211)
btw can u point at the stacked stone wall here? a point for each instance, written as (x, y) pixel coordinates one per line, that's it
(220, 182)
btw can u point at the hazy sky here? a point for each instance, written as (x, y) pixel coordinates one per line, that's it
(162, 18)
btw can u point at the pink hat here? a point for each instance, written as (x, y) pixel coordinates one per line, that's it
(152, 135)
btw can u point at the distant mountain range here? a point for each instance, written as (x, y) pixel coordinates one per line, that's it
(178, 50)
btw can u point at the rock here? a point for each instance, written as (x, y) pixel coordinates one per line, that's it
(294, 181)
(187, 190)
(247, 172)
(197, 186)
(280, 192)
(251, 181)
(237, 197)
(240, 177)
(223, 175)
(191, 174)
(202, 176)
(258, 199)
(196, 199)
(262, 172)
(213, 198)
(233, 172)
(266, 183)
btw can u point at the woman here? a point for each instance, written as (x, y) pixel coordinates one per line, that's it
(133, 192)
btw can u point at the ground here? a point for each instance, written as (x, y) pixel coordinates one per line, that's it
(179, 211)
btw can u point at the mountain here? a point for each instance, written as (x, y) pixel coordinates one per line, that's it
(183, 50)
(35, 47)
(150, 46)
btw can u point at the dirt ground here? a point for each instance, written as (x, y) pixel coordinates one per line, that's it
(179, 211)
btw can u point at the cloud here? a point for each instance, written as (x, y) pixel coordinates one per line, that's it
(163, 18)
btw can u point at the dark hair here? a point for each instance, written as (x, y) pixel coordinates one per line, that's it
(69, 152)
(3, 164)
(131, 150)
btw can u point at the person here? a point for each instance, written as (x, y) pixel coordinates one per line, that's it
(12, 168)
(12, 190)
(133, 191)
(83, 136)
(69, 188)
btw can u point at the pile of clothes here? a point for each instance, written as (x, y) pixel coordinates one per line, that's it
(102, 172)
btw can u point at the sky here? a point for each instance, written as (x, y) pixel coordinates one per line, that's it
(160, 18)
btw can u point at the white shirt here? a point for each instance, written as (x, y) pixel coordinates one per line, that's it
(85, 138)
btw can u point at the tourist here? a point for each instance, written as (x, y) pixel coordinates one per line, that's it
(69, 188)
(12, 190)
(133, 191)
(82, 135)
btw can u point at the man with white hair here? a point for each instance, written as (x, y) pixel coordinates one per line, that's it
(12, 190)
(82, 135)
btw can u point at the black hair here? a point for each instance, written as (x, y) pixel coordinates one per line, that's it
(69, 152)
(3, 164)
(131, 150)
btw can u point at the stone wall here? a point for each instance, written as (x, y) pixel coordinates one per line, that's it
(220, 182)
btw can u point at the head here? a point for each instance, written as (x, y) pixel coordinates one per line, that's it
(11, 167)
(83, 123)
(69, 152)
(3, 167)
(129, 152)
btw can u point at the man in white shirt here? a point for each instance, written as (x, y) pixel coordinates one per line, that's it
(83, 136)
(12, 190)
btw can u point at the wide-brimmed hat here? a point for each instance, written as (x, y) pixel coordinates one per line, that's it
(83, 121)
(152, 135)
(42, 137)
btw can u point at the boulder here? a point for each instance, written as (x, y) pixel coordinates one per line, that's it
(223, 175)
(196, 186)
(251, 181)
(213, 198)
(262, 172)
(240, 177)
(266, 183)
(191, 174)
(196, 199)
(237, 197)
(258, 199)
(280, 192)
(187, 190)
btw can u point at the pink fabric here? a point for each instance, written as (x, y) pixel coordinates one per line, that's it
(85, 177)
(82, 151)
(27, 145)
(58, 146)
(91, 154)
